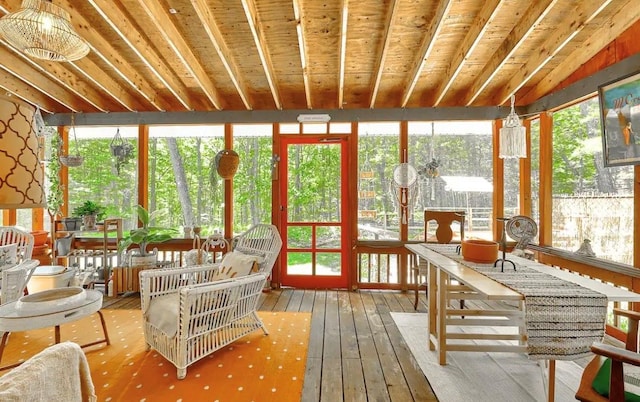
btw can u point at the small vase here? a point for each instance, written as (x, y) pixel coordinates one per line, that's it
(89, 222)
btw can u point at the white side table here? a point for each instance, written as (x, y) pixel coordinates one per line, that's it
(13, 319)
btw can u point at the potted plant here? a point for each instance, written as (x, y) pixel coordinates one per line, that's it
(90, 212)
(143, 236)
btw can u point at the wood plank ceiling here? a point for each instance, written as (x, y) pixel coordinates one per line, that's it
(209, 55)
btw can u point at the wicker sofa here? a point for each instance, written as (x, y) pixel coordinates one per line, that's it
(187, 317)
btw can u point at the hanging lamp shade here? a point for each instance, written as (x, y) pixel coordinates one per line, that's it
(43, 30)
(21, 173)
(513, 136)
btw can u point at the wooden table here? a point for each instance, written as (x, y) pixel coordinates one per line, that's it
(440, 272)
(127, 279)
(13, 319)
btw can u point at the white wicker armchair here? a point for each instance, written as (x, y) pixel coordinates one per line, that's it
(186, 317)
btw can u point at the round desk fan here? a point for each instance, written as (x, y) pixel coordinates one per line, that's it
(405, 180)
(522, 229)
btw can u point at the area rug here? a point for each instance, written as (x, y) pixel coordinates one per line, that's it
(479, 376)
(254, 368)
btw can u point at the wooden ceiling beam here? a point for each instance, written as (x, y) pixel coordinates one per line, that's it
(224, 53)
(15, 60)
(304, 57)
(181, 48)
(430, 36)
(474, 35)
(386, 44)
(121, 24)
(257, 31)
(29, 94)
(621, 20)
(34, 77)
(344, 18)
(536, 12)
(96, 75)
(582, 14)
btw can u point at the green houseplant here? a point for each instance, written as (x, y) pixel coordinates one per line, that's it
(90, 212)
(145, 235)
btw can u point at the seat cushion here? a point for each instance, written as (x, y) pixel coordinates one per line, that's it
(163, 313)
(601, 384)
(46, 270)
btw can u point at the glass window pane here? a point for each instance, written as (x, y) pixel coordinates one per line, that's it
(590, 202)
(299, 264)
(328, 237)
(378, 217)
(184, 186)
(104, 178)
(252, 182)
(328, 264)
(299, 236)
(455, 172)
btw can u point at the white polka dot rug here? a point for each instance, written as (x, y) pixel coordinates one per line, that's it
(254, 368)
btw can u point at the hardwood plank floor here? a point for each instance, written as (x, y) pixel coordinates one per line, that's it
(356, 352)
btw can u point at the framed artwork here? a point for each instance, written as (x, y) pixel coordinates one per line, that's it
(620, 121)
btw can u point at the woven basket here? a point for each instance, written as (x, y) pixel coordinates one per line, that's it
(226, 162)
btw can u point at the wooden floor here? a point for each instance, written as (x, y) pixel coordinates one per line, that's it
(356, 352)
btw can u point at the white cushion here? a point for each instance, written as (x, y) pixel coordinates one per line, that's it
(8, 256)
(163, 313)
(236, 264)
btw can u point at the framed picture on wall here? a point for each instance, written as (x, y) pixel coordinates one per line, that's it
(620, 120)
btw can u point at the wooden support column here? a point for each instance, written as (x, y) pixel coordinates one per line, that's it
(498, 183)
(525, 175)
(276, 214)
(143, 165)
(404, 227)
(228, 187)
(546, 178)
(353, 175)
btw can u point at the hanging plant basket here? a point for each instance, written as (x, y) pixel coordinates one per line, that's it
(72, 160)
(121, 150)
(226, 162)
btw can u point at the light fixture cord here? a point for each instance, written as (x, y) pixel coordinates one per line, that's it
(73, 129)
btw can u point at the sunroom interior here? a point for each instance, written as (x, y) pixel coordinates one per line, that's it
(348, 121)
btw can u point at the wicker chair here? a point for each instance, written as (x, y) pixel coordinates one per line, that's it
(15, 279)
(24, 240)
(187, 317)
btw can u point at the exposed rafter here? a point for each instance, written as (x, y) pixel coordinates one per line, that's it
(217, 40)
(297, 12)
(344, 18)
(386, 44)
(257, 31)
(176, 41)
(122, 25)
(474, 35)
(576, 21)
(18, 88)
(426, 47)
(536, 12)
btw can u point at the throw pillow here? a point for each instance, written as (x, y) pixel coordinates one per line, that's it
(601, 383)
(8, 256)
(163, 313)
(236, 264)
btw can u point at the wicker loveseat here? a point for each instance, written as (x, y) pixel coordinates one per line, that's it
(187, 317)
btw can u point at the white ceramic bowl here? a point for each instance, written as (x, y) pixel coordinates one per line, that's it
(51, 300)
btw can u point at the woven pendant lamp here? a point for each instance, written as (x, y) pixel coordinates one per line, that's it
(513, 136)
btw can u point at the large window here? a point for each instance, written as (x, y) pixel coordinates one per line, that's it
(101, 177)
(454, 165)
(252, 184)
(378, 156)
(590, 202)
(184, 187)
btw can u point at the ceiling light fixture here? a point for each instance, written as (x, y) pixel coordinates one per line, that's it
(43, 30)
(314, 118)
(513, 136)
